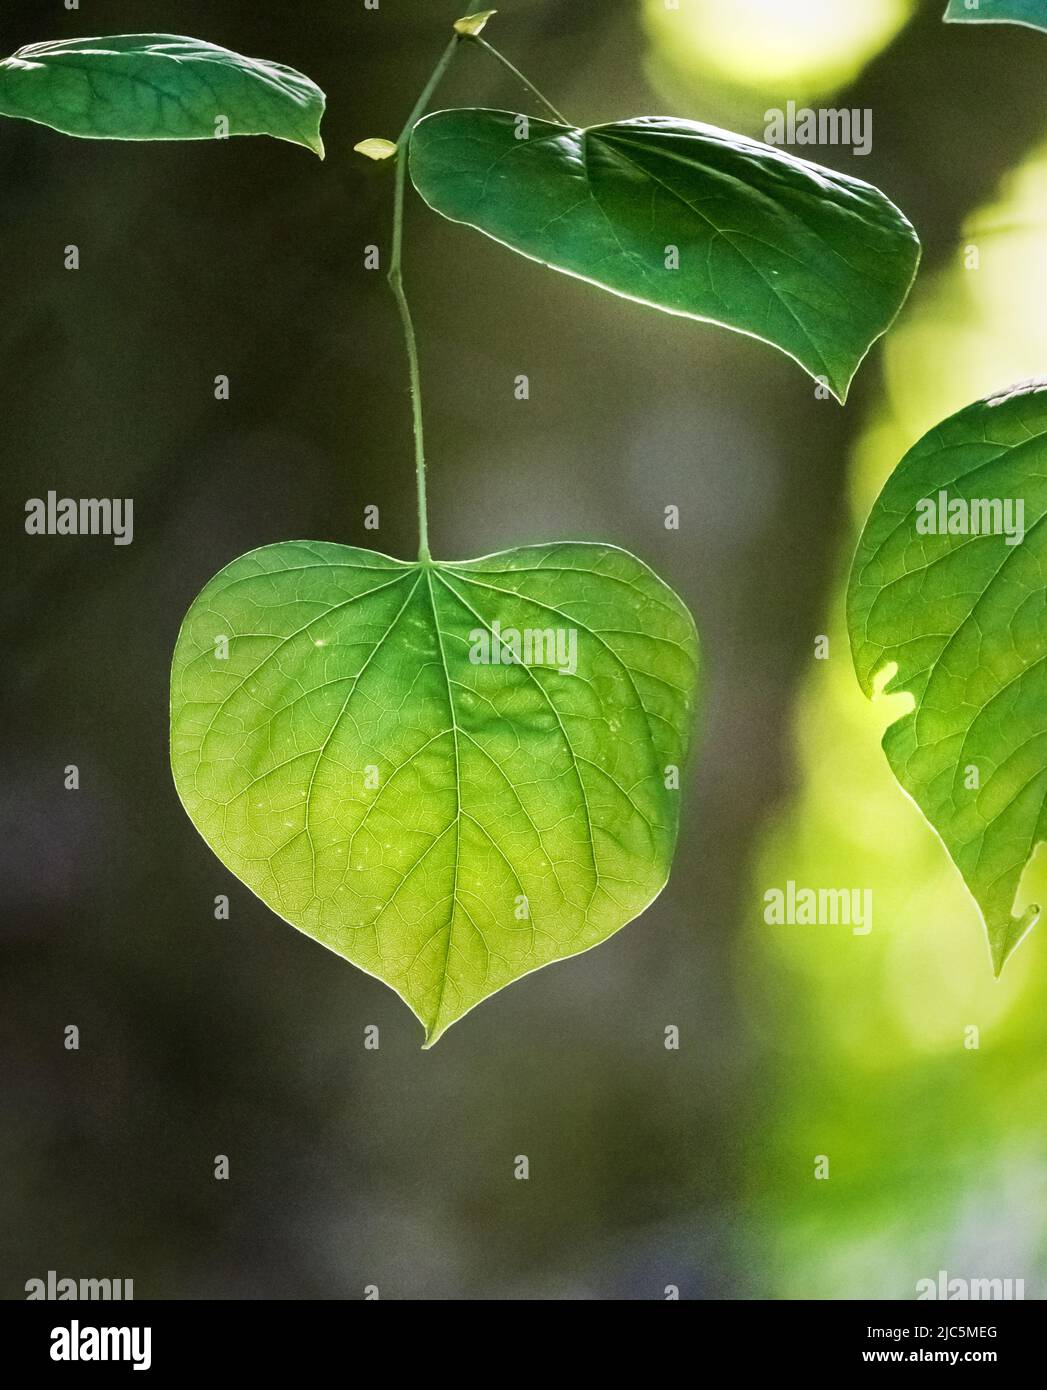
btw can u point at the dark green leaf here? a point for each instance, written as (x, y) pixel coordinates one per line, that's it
(446, 823)
(158, 87)
(814, 262)
(949, 585)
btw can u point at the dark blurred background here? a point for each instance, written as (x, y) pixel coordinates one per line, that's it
(200, 1037)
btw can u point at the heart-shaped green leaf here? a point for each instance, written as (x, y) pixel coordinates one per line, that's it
(686, 218)
(357, 740)
(1029, 12)
(158, 87)
(950, 585)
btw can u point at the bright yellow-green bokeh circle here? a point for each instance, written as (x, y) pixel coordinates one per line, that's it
(814, 46)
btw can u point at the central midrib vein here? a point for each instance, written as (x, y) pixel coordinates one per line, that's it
(458, 799)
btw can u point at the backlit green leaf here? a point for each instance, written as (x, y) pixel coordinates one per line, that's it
(446, 823)
(949, 584)
(1030, 12)
(158, 87)
(686, 218)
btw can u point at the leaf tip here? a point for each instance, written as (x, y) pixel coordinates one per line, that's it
(1005, 938)
(470, 25)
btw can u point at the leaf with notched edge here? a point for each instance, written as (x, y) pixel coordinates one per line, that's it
(446, 824)
(811, 261)
(963, 618)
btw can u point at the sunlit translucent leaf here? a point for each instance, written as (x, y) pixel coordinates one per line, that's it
(444, 824)
(470, 25)
(158, 87)
(1030, 12)
(686, 218)
(376, 148)
(963, 616)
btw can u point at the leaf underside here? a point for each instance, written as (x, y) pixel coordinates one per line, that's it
(444, 824)
(964, 617)
(1032, 13)
(158, 87)
(811, 261)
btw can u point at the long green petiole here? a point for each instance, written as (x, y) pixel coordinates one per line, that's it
(395, 276)
(396, 282)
